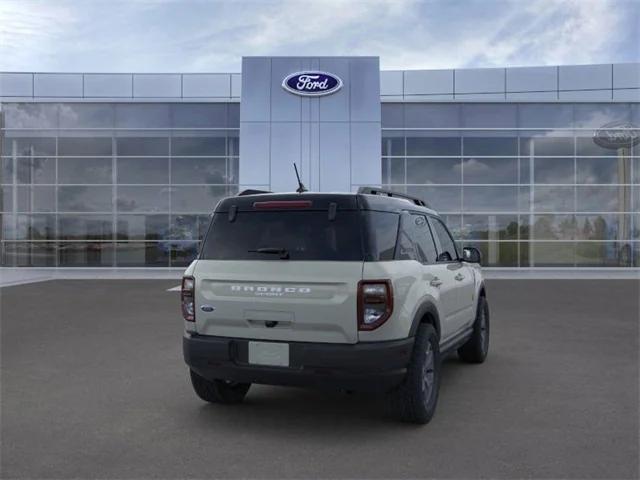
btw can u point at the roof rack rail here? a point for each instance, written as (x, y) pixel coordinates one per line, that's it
(250, 191)
(388, 193)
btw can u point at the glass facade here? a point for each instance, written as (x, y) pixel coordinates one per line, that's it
(527, 183)
(133, 184)
(113, 184)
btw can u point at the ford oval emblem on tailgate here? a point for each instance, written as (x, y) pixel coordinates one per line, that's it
(207, 308)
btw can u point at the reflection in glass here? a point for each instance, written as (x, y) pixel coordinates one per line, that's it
(23, 254)
(75, 170)
(490, 227)
(143, 227)
(547, 254)
(183, 253)
(143, 199)
(80, 254)
(546, 146)
(553, 170)
(393, 144)
(36, 198)
(85, 146)
(490, 146)
(432, 146)
(554, 199)
(496, 254)
(433, 170)
(6, 198)
(29, 146)
(142, 146)
(603, 227)
(6, 170)
(604, 198)
(603, 254)
(196, 199)
(36, 170)
(490, 170)
(200, 115)
(85, 227)
(30, 115)
(84, 199)
(142, 115)
(85, 115)
(603, 170)
(189, 227)
(198, 146)
(554, 227)
(141, 254)
(490, 199)
(199, 170)
(29, 227)
(143, 170)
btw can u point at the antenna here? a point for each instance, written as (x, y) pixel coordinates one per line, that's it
(301, 188)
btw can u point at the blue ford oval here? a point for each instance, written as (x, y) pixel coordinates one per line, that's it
(312, 83)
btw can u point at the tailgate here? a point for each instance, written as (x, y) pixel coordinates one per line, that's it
(300, 301)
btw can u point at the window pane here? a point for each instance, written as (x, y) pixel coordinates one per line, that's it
(490, 170)
(140, 254)
(196, 199)
(382, 228)
(36, 199)
(420, 115)
(142, 115)
(189, 227)
(547, 254)
(79, 254)
(553, 170)
(28, 147)
(85, 146)
(546, 146)
(490, 146)
(30, 115)
(597, 114)
(489, 115)
(604, 198)
(199, 170)
(73, 115)
(36, 170)
(604, 227)
(142, 146)
(84, 170)
(85, 227)
(554, 227)
(534, 115)
(447, 245)
(198, 146)
(6, 171)
(392, 115)
(432, 146)
(454, 224)
(29, 254)
(143, 199)
(393, 144)
(84, 199)
(490, 227)
(635, 231)
(143, 227)
(442, 199)
(143, 170)
(601, 254)
(490, 199)
(28, 227)
(603, 170)
(587, 146)
(554, 199)
(200, 115)
(6, 199)
(434, 170)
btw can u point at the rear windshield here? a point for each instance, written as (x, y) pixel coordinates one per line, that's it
(278, 235)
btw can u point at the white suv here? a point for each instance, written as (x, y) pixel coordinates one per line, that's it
(361, 292)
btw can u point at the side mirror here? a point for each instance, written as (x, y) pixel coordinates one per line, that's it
(471, 255)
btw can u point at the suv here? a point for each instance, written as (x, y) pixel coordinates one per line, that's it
(362, 292)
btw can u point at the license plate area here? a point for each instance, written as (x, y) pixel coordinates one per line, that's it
(269, 354)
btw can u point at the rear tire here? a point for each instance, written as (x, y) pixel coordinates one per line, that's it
(218, 391)
(475, 350)
(416, 398)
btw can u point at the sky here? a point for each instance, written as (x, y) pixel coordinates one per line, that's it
(212, 36)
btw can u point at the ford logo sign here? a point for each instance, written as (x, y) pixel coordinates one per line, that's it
(312, 84)
(616, 135)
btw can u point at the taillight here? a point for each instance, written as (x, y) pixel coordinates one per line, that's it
(375, 303)
(187, 297)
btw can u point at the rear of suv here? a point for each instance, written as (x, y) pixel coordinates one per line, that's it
(361, 292)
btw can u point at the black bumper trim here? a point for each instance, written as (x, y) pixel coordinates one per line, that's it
(367, 366)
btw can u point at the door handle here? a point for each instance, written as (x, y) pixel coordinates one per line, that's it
(435, 282)
(459, 277)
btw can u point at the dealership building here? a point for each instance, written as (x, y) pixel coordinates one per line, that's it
(536, 166)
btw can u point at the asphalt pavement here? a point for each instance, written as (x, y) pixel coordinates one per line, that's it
(93, 385)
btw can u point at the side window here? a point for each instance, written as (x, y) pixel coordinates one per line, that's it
(414, 240)
(447, 245)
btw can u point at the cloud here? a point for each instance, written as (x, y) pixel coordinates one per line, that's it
(199, 35)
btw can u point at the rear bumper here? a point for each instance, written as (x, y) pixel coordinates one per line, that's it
(375, 366)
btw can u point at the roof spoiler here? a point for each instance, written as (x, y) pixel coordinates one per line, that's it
(250, 191)
(388, 193)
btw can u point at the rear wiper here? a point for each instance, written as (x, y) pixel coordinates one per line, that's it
(284, 254)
